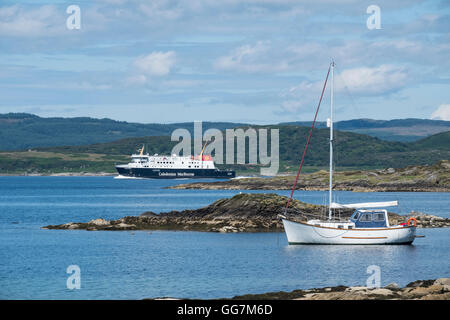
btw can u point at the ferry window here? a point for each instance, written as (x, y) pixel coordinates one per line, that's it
(366, 217)
(356, 215)
(378, 217)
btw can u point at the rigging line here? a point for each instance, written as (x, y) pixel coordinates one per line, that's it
(307, 142)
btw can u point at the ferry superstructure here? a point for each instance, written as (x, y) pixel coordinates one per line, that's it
(172, 167)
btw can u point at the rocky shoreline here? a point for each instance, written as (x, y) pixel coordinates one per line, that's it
(434, 178)
(242, 213)
(438, 289)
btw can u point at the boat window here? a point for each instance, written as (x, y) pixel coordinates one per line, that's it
(378, 217)
(355, 215)
(366, 218)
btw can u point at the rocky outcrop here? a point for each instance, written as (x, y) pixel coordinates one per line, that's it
(434, 178)
(241, 213)
(438, 289)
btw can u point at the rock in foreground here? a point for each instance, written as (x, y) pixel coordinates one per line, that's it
(241, 213)
(418, 290)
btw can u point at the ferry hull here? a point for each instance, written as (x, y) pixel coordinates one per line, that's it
(153, 173)
(303, 233)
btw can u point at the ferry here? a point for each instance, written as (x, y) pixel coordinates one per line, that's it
(171, 167)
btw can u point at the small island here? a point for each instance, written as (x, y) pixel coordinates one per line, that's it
(256, 212)
(435, 178)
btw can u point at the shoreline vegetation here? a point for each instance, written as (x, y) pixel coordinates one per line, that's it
(241, 213)
(428, 178)
(437, 289)
(34, 146)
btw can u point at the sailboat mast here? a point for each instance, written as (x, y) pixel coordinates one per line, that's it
(331, 142)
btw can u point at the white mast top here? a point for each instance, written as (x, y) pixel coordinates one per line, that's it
(331, 143)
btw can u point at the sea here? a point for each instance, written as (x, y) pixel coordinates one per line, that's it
(36, 263)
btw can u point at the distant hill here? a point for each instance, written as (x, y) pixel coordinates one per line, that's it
(438, 141)
(23, 131)
(402, 130)
(352, 150)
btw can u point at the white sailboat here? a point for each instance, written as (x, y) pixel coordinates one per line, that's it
(369, 224)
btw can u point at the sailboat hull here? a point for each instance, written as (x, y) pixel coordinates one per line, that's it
(303, 233)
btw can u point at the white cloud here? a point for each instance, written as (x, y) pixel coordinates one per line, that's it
(373, 81)
(364, 81)
(155, 63)
(144, 69)
(161, 10)
(251, 58)
(442, 113)
(42, 21)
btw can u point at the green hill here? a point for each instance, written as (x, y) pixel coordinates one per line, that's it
(93, 145)
(402, 130)
(438, 141)
(352, 151)
(22, 131)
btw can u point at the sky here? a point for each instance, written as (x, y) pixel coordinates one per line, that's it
(253, 61)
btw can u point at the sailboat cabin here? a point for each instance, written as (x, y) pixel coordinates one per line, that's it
(370, 219)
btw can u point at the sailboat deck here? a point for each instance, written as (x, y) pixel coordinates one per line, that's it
(332, 224)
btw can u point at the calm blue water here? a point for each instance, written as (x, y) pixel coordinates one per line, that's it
(134, 265)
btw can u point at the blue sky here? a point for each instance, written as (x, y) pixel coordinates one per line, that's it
(256, 61)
